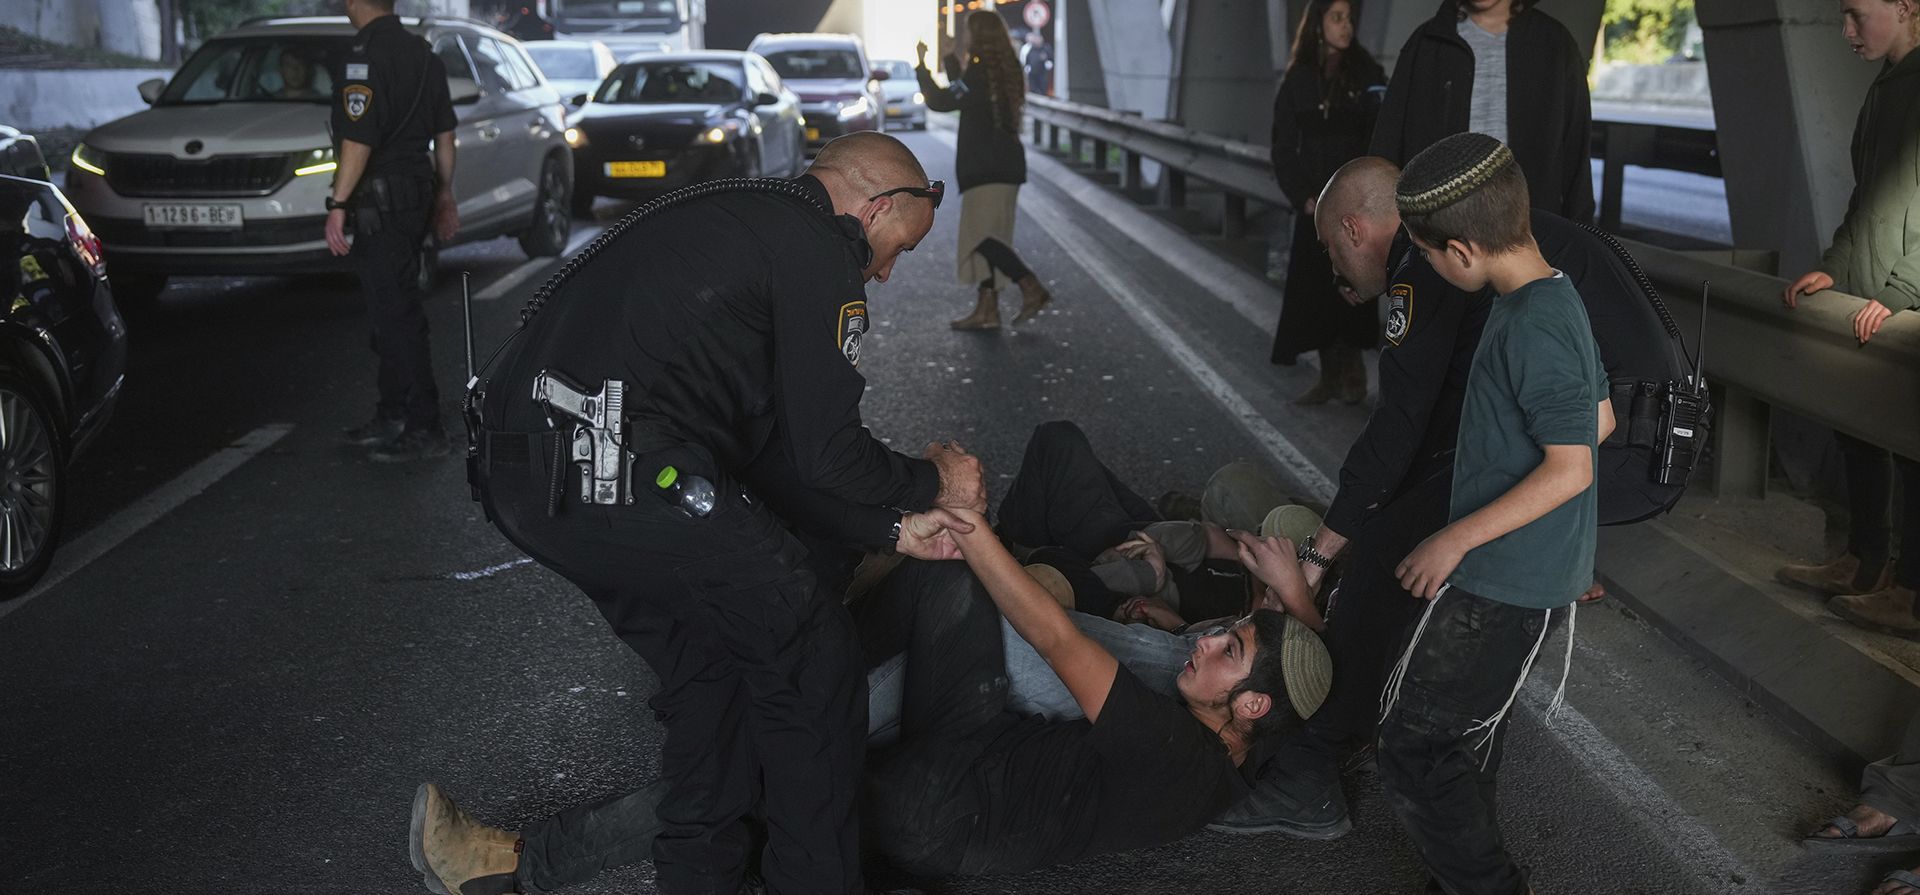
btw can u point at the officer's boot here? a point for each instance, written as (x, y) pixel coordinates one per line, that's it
(1846, 576)
(1353, 376)
(457, 855)
(1328, 385)
(1034, 296)
(986, 312)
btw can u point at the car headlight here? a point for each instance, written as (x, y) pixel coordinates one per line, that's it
(718, 134)
(853, 109)
(90, 160)
(576, 137)
(919, 99)
(318, 161)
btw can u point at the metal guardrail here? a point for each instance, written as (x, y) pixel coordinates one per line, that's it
(1760, 355)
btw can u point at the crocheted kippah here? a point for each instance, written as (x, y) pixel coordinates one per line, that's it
(1447, 171)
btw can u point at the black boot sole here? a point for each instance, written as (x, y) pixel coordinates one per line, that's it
(1315, 832)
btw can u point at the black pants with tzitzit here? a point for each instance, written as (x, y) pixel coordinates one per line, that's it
(1003, 258)
(1064, 496)
(761, 686)
(386, 255)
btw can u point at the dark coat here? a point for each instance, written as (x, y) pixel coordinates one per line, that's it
(1311, 142)
(1876, 250)
(983, 151)
(1549, 114)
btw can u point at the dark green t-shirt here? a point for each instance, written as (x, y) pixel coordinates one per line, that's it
(1536, 380)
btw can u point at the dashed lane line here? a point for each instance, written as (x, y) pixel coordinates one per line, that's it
(83, 551)
(499, 288)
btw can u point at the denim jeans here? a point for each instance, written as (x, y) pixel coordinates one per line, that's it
(1437, 764)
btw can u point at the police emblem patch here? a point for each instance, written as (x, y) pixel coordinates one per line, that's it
(852, 328)
(1399, 311)
(356, 98)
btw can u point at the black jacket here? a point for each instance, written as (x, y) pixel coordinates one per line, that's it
(389, 73)
(983, 152)
(717, 314)
(1314, 133)
(1549, 114)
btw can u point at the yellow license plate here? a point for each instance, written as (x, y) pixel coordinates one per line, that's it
(636, 169)
(813, 133)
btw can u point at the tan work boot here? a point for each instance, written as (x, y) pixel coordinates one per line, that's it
(1034, 296)
(1054, 583)
(1838, 577)
(455, 854)
(1889, 611)
(986, 313)
(1328, 386)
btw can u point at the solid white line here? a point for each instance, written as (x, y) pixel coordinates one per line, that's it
(1100, 264)
(79, 554)
(499, 288)
(489, 571)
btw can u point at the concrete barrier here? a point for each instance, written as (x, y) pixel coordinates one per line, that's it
(63, 99)
(1673, 84)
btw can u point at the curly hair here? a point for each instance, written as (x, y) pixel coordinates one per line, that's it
(1461, 7)
(990, 45)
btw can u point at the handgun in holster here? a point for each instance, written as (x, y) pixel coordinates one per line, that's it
(598, 434)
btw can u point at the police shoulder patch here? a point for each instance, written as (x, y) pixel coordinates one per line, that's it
(356, 98)
(851, 329)
(1399, 312)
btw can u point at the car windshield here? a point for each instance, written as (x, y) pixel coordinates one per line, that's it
(674, 82)
(896, 69)
(293, 69)
(563, 62)
(818, 64)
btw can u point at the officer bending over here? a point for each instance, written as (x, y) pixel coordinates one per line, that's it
(391, 99)
(732, 316)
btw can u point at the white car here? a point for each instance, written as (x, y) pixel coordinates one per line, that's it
(901, 90)
(574, 67)
(229, 172)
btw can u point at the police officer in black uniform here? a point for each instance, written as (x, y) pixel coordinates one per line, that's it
(732, 320)
(1398, 477)
(392, 99)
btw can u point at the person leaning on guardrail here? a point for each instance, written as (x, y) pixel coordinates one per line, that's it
(1323, 114)
(1876, 253)
(1505, 69)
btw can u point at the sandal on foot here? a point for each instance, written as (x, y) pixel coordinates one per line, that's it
(1904, 877)
(1902, 836)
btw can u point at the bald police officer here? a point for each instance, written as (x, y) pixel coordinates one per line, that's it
(729, 319)
(392, 99)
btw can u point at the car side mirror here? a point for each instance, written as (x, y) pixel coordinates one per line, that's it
(766, 99)
(880, 74)
(150, 89)
(463, 91)
(578, 100)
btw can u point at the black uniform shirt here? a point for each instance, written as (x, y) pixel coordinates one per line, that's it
(1432, 331)
(387, 68)
(736, 321)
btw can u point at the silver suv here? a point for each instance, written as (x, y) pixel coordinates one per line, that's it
(229, 172)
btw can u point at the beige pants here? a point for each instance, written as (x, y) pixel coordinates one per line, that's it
(986, 211)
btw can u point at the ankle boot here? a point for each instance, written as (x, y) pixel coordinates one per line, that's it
(986, 313)
(1034, 296)
(1328, 385)
(1353, 376)
(457, 855)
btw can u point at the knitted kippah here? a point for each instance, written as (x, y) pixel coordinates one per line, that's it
(1448, 171)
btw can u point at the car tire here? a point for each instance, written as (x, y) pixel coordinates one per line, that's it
(32, 485)
(552, 223)
(136, 293)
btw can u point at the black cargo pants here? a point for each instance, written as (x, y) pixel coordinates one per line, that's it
(390, 221)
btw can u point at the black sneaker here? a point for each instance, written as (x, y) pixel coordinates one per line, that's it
(413, 444)
(378, 430)
(1302, 805)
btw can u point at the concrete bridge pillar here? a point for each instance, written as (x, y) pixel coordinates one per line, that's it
(1224, 72)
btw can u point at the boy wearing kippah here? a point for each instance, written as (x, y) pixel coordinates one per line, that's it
(1520, 543)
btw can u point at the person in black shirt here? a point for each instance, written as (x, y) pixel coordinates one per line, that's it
(735, 321)
(391, 99)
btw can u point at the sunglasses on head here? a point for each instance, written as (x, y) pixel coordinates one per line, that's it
(931, 192)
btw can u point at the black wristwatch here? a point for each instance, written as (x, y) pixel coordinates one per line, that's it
(1310, 555)
(333, 204)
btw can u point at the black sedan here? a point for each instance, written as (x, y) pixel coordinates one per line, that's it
(63, 352)
(663, 122)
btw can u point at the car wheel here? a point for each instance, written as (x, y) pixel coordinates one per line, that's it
(32, 486)
(552, 218)
(134, 293)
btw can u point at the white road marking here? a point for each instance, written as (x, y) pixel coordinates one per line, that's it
(1708, 860)
(76, 555)
(489, 571)
(499, 288)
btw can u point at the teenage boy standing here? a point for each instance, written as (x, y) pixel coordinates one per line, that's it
(1520, 543)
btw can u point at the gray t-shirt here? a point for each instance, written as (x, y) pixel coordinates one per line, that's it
(1489, 113)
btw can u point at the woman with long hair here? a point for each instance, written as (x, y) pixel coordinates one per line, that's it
(1322, 117)
(989, 163)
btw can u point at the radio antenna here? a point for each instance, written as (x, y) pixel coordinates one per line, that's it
(466, 304)
(1699, 377)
